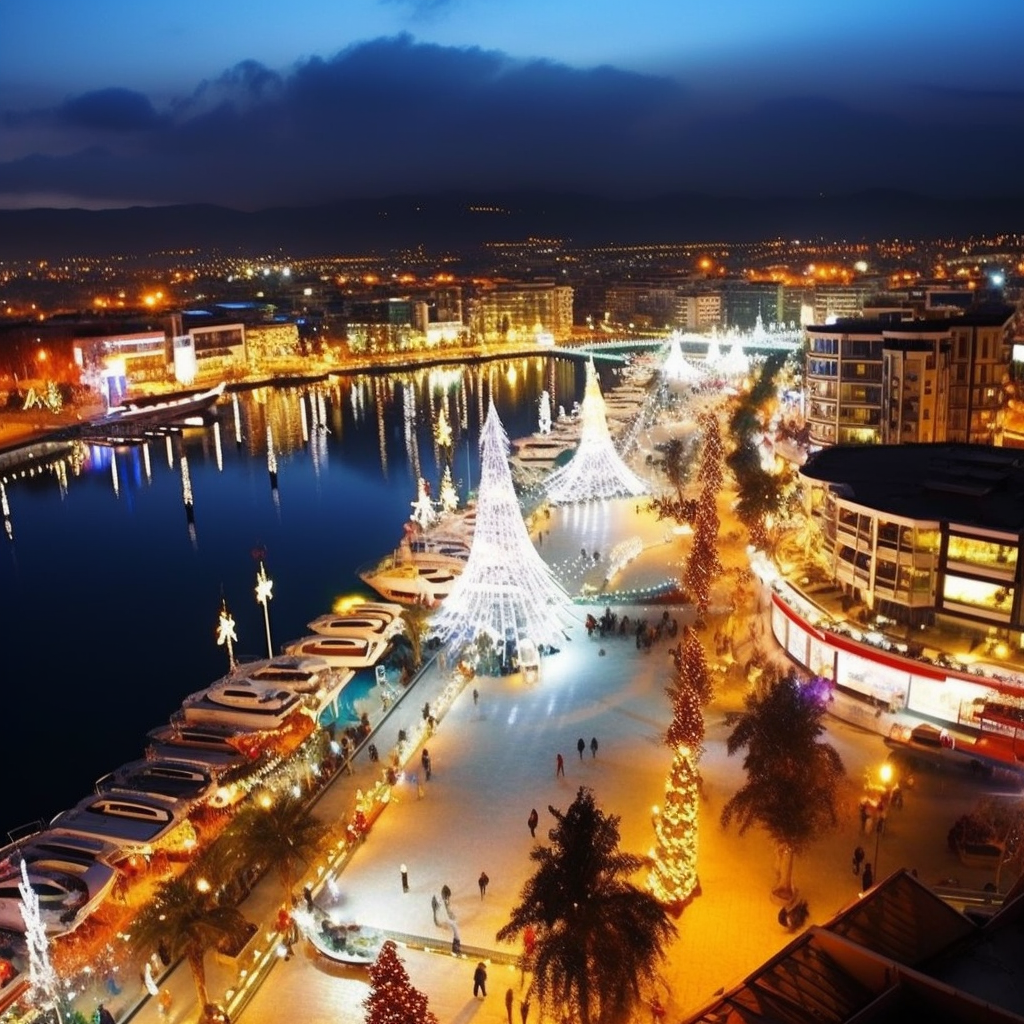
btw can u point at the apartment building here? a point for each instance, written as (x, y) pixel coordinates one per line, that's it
(519, 311)
(893, 381)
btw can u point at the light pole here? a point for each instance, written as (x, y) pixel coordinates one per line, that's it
(264, 588)
(885, 774)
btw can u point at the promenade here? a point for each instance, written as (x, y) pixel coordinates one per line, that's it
(495, 760)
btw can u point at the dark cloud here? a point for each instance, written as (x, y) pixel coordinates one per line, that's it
(393, 116)
(110, 110)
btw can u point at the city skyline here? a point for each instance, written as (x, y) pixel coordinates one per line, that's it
(116, 105)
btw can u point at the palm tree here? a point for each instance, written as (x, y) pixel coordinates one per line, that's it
(417, 624)
(792, 777)
(280, 834)
(186, 918)
(598, 937)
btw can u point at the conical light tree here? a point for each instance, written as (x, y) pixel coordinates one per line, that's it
(448, 496)
(392, 998)
(596, 470)
(45, 991)
(506, 589)
(673, 879)
(676, 367)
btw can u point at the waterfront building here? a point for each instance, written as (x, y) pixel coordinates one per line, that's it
(872, 381)
(921, 533)
(507, 312)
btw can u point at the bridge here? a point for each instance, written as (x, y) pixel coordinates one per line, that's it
(617, 350)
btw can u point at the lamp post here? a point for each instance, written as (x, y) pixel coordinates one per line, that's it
(885, 775)
(264, 588)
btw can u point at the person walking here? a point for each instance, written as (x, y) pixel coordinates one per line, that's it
(480, 981)
(425, 761)
(581, 745)
(509, 998)
(405, 877)
(559, 766)
(476, 697)
(867, 879)
(593, 746)
(858, 859)
(532, 821)
(446, 896)
(482, 882)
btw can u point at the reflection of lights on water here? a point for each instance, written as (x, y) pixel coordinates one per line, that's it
(302, 419)
(271, 455)
(145, 463)
(186, 482)
(113, 473)
(170, 451)
(218, 452)
(381, 435)
(238, 418)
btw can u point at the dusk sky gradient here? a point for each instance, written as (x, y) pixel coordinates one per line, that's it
(253, 104)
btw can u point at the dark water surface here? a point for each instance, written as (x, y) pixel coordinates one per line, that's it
(109, 595)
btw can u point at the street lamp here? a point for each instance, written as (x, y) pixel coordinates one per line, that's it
(885, 775)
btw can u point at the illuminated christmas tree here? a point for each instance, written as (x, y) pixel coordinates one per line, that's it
(704, 565)
(596, 471)
(423, 511)
(392, 998)
(544, 420)
(673, 878)
(506, 589)
(676, 367)
(449, 497)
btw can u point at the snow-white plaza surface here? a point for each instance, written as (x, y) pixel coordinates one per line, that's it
(495, 760)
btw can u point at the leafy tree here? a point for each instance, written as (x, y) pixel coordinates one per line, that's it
(392, 998)
(760, 494)
(283, 835)
(598, 936)
(792, 777)
(417, 625)
(188, 920)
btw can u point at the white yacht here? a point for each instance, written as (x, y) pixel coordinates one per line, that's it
(319, 679)
(365, 623)
(413, 578)
(350, 652)
(243, 704)
(133, 822)
(70, 875)
(178, 779)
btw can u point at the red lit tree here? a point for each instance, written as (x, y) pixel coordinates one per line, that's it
(392, 998)
(673, 879)
(703, 565)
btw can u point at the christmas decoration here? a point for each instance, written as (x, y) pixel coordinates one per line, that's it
(423, 511)
(448, 496)
(392, 998)
(443, 430)
(264, 593)
(506, 590)
(45, 985)
(673, 878)
(676, 367)
(544, 422)
(596, 471)
(226, 634)
(704, 565)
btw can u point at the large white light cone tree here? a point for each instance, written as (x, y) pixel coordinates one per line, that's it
(596, 471)
(506, 589)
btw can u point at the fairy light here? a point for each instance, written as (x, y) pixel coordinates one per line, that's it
(596, 471)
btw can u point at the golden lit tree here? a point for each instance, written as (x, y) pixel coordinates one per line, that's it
(392, 998)
(673, 879)
(704, 565)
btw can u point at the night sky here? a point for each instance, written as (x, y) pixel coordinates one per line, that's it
(255, 104)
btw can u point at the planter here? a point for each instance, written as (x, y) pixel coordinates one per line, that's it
(231, 955)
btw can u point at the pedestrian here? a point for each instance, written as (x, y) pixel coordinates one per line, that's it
(446, 895)
(482, 882)
(531, 822)
(593, 746)
(405, 878)
(307, 895)
(559, 766)
(524, 1009)
(476, 697)
(435, 906)
(480, 980)
(164, 1001)
(425, 761)
(864, 815)
(509, 997)
(104, 1016)
(456, 945)
(581, 745)
(867, 879)
(858, 859)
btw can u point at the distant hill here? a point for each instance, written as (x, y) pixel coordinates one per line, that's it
(449, 223)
